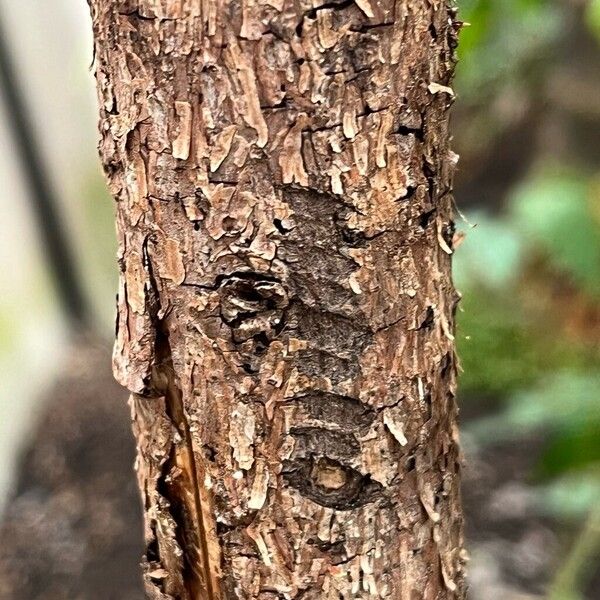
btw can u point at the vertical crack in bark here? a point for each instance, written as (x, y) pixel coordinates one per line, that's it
(181, 479)
(199, 583)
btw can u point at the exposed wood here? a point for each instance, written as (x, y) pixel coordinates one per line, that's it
(283, 181)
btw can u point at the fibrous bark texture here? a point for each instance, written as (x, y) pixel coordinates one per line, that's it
(283, 184)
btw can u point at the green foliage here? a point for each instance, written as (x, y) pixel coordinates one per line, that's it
(499, 38)
(509, 350)
(571, 450)
(497, 354)
(503, 351)
(490, 255)
(572, 495)
(532, 274)
(555, 212)
(593, 17)
(566, 402)
(503, 345)
(559, 404)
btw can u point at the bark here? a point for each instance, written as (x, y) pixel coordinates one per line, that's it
(282, 174)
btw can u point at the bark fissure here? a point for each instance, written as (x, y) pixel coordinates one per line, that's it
(178, 481)
(197, 577)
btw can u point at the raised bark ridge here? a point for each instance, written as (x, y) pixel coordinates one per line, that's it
(283, 184)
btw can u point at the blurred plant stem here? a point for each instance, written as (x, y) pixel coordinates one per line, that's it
(570, 579)
(55, 240)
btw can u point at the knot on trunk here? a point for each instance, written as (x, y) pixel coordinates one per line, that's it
(253, 306)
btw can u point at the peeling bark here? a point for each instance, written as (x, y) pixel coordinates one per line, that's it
(283, 178)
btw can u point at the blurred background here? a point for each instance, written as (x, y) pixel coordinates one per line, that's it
(526, 126)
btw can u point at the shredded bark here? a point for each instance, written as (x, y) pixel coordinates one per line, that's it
(283, 181)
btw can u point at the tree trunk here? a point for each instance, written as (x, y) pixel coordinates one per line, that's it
(283, 184)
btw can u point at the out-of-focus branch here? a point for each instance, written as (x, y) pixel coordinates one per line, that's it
(41, 193)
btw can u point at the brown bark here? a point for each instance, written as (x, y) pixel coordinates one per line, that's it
(283, 183)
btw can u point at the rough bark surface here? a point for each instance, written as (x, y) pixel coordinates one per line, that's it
(282, 173)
